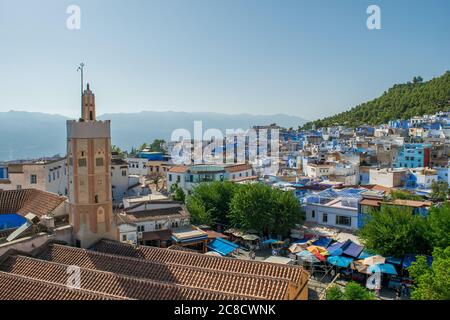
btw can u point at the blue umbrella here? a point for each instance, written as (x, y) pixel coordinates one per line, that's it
(383, 268)
(340, 261)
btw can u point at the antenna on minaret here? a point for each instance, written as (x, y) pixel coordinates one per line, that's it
(81, 69)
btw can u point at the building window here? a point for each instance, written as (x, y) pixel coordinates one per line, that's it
(96, 198)
(49, 177)
(82, 162)
(124, 173)
(19, 187)
(170, 177)
(324, 217)
(158, 226)
(54, 176)
(33, 179)
(99, 162)
(313, 214)
(100, 215)
(178, 178)
(343, 221)
(140, 228)
(191, 178)
(124, 237)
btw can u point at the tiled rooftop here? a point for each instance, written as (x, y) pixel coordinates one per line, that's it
(294, 274)
(29, 200)
(16, 287)
(106, 283)
(111, 270)
(194, 277)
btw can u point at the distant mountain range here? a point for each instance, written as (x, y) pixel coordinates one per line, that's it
(402, 101)
(32, 135)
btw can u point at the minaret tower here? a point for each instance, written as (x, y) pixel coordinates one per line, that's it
(89, 163)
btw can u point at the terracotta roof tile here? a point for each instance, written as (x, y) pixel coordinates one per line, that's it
(108, 283)
(29, 200)
(249, 285)
(179, 169)
(294, 274)
(16, 287)
(238, 167)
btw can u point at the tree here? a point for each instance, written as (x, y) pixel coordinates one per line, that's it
(119, 151)
(215, 197)
(158, 145)
(438, 231)
(252, 208)
(199, 214)
(395, 231)
(439, 191)
(264, 209)
(404, 195)
(352, 291)
(143, 146)
(418, 79)
(334, 293)
(287, 211)
(431, 283)
(177, 193)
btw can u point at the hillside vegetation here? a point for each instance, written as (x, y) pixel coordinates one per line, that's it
(402, 101)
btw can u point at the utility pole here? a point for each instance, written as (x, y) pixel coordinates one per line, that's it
(81, 69)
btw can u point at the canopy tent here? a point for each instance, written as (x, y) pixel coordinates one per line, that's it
(222, 246)
(269, 241)
(317, 249)
(374, 260)
(336, 246)
(235, 232)
(383, 268)
(340, 261)
(352, 249)
(393, 260)
(319, 252)
(336, 252)
(301, 240)
(364, 254)
(322, 242)
(359, 266)
(250, 237)
(297, 247)
(307, 256)
(408, 259)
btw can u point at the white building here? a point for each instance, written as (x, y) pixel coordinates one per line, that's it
(388, 177)
(443, 173)
(334, 208)
(119, 179)
(45, 175)
(187, 177)
(137, 166)
(423, 177)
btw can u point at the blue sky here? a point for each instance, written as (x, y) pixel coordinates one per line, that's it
(305, 58)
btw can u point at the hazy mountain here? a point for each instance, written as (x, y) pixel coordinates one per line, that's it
(32, 134)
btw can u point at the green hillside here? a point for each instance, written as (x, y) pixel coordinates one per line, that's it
(402, 101)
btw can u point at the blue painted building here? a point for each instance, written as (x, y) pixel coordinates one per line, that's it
(413, 155)
(151, 156)
(3, 172)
